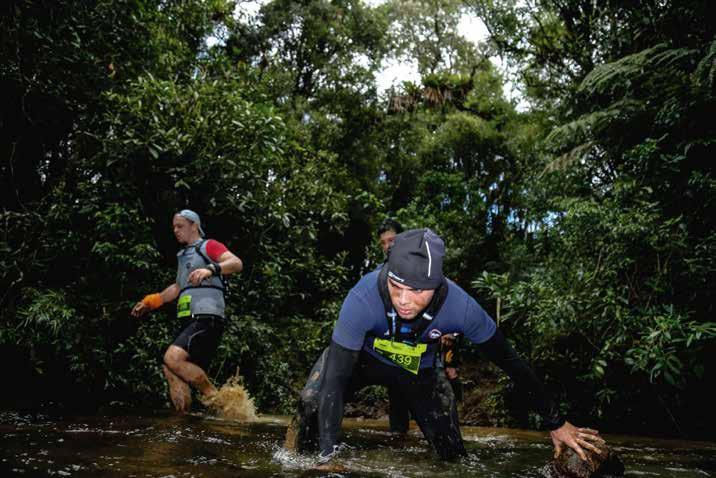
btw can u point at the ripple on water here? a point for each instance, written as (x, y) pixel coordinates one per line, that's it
(215, 440)
(199, 446)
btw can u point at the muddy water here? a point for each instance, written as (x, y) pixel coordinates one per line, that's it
(233, 402)
(128, 443)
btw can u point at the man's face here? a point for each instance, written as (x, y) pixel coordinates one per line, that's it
(408, 302)
(387, 239)
(184, 230)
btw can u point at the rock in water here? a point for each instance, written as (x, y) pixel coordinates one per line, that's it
(569, 465)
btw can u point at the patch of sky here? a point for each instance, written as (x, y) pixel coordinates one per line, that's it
(394, 72)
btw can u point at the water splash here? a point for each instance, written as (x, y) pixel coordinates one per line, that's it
(290, 460)
(232, 401)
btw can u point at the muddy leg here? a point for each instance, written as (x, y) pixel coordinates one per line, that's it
(178, 391)
(177, 360)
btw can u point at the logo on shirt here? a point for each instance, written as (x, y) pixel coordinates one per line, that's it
(435, 334)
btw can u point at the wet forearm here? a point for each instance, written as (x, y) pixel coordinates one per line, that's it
(339, 368)
(500, 352)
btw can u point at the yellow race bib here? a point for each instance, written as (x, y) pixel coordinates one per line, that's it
(403, 355)
(184, 306)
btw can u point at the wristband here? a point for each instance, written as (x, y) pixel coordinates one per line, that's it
(214, 268)
(153, 301)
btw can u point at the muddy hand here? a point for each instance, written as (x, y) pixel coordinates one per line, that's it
(575, 438)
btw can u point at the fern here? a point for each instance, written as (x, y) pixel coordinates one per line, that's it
(591, 125)
(705, 75)
(621, 93)
(629, 74)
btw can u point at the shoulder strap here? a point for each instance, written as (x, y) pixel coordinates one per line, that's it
(197, 248)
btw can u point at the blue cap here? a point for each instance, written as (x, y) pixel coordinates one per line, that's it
(193, 217)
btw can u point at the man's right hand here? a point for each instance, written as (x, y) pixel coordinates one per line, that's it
(139, 309)
(575, 438)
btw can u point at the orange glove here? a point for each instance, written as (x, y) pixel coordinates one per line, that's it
(153, 301)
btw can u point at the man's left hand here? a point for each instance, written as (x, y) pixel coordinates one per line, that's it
(576, 439)
(199, 275)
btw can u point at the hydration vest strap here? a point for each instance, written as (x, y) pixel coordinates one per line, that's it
(197, 248)
(202, 287)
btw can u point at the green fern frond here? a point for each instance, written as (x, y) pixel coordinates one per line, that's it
(568, 159)
(617, 78)
(705, 75)
(589, 126)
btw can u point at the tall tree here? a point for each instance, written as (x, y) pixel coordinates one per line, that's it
(624, 229)
(425, 32)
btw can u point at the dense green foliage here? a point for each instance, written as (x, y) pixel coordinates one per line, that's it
(584, 222)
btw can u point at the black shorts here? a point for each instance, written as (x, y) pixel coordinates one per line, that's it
(200, 339)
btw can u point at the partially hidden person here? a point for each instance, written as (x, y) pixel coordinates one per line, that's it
(398, 413)
(449, 360)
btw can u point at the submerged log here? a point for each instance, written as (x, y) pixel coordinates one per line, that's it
(603, 465)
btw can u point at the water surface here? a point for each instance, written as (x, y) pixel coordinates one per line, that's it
(127, 443)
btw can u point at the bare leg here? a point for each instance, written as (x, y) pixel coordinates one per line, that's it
(177, 360)
(178, 391)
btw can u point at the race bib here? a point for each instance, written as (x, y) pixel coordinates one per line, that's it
(184, 306)
(403, 355)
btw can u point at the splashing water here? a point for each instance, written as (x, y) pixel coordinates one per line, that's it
(232, 401)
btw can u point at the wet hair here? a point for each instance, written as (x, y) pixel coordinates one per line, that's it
(390, 225)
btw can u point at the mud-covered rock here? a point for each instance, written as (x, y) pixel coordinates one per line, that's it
(602, 465)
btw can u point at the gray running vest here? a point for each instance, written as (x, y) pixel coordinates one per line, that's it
(207, 298)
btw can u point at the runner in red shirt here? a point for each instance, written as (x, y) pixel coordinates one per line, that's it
(200, 287)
